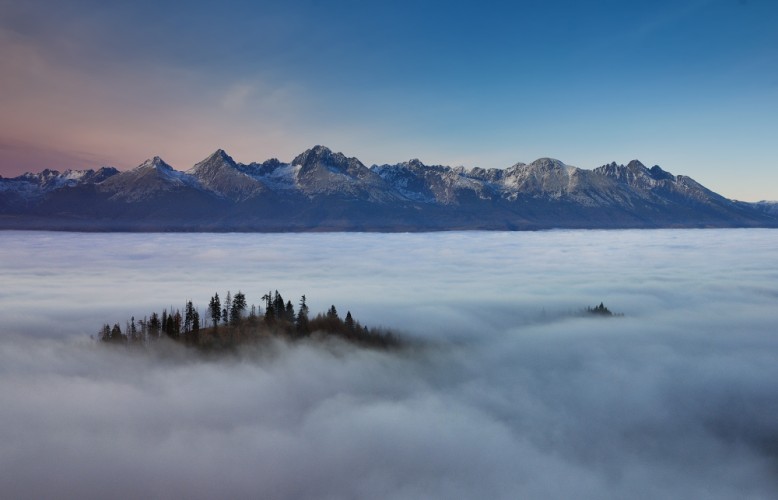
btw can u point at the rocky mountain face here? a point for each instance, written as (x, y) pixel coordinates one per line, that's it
(768, 207)
(323, 190)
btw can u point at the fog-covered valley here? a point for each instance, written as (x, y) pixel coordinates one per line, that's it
(507, 394)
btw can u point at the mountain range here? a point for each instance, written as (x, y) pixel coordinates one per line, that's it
(320, 190)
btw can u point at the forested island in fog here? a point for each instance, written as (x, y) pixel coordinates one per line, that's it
(232, 323)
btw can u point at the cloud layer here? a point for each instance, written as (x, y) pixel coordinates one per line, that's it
(510, 396)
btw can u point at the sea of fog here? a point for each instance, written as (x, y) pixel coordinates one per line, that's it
(506, 393)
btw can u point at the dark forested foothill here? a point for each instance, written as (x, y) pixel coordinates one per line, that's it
(233, 323)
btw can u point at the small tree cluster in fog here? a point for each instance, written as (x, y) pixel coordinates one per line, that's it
(232, 323)
(601, 310)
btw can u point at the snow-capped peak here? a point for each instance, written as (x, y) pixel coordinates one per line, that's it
(156, 163)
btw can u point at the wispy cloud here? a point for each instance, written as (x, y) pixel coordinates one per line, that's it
(118, 111)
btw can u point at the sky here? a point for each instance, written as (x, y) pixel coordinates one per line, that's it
(509, 396)
(691, 85)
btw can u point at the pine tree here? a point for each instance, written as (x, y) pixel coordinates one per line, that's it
(188, 316)
(176, 324)
(105, 333)
(215, 310)
(155, 325)
(237, 308)
(226, 309)
(270, 316)
(349, 322)
(133, 331)
(169, 326)
(270, 312)
(302, 317)
(289, 312)
(195, 321)
(117, 335)
(144, 329)
(279, 306)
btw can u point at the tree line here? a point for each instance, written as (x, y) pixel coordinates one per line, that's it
(231, 322)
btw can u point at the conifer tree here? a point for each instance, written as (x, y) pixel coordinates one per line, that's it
(270, 311)
(302, 317)
(117, 335)
(169, 325)
(237, 308)
(270, 316)
(188, 316)
(279, 306)
(226, 308)
(215, 309)
(155, 325)
(176, 324)
(289, 312)
(105, 333)
(195, 321)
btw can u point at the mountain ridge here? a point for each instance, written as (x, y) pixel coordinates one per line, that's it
(325, 190)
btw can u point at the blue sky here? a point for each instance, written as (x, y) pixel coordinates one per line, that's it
(689, 85)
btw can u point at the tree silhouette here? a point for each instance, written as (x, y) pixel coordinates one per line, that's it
(301, 323)
(187, 328)
(155, 325)
(215, 310)
(238, 306)
(600, 310)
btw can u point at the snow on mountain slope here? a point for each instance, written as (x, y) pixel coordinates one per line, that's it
(768, 207)
(33, 185)
(146, 181)
(319, 171)
(320, 183)
(220, 174)
(282, 177)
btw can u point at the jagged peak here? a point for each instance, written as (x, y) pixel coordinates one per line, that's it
(324, 155)
(659, 174)
(155, 163)
(213, 163)
(635, 171)
(272, 162)
(415, 162)
(547, 163)
(221, 155)
(43, 174)
(317, 152)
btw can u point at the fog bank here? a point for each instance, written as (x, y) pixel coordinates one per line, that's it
(511, 396)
